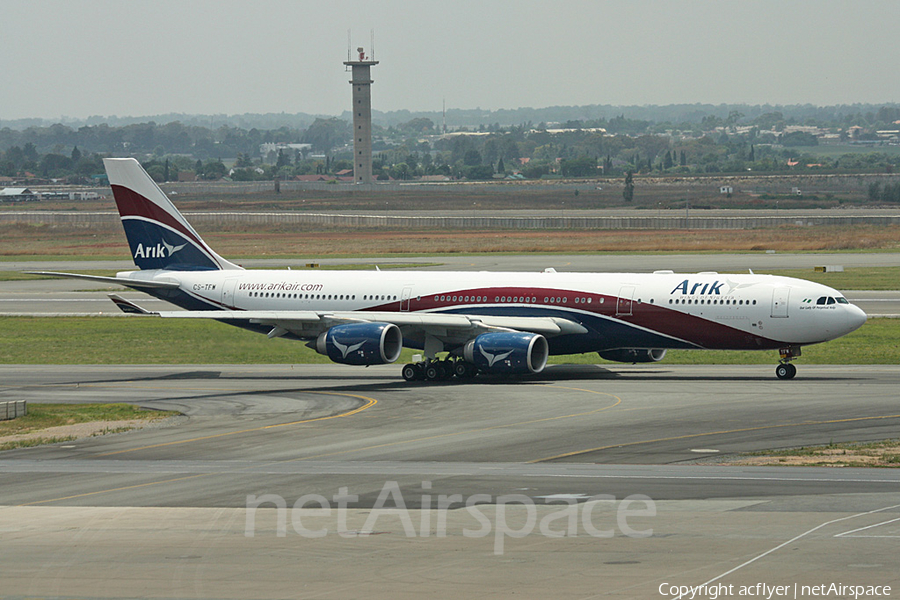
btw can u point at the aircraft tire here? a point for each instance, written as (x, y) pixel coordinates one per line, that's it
(785, 371)
(461, 369)
(410, 372)
(433, 372)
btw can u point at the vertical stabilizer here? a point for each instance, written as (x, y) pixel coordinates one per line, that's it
(159, 236)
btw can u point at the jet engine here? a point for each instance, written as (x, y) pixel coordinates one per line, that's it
(634, 355)
(508, 352)
(361, 343)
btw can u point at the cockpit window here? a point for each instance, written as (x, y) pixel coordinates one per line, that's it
(830, 300)
(821, 301)
(841, 300)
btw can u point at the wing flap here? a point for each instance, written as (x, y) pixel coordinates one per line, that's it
(294, 320)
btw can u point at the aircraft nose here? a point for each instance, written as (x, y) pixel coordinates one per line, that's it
(856, 318)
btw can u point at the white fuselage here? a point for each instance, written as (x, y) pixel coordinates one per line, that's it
(658, 310)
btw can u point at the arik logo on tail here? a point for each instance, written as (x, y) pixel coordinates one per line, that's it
(161, 250)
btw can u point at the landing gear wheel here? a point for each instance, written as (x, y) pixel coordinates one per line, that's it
(461, 369)
(433, 372)
(785, 371)
(471, 370)
(410, 372)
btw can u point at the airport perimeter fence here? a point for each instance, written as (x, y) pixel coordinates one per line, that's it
(13, 409)
(211, 220)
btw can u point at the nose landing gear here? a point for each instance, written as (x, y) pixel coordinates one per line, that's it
(786, 370)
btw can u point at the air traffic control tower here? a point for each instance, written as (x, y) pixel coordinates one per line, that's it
(362, 116)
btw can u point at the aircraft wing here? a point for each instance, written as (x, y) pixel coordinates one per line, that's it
(448, 327)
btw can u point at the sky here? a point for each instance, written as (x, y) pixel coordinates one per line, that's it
(81, 58)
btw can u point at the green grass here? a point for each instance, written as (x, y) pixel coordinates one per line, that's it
(885, 453)
(39, 441)
(147, 340)
(43, 416)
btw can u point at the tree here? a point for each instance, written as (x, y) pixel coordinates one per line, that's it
(55, 165)
(628, 193)
(478, 172)
(501, 168)
(327, 134)
(400, 171)
(733, 117)
(214, 169)
(472, 158)
(752, 157)
(799, 138)
(578, 167)
(283, 160)
(76, 154)
(30, 152)
(417, 125)
(16, 156)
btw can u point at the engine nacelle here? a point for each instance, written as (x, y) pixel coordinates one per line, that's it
(512, 352)
(634, 355)
(361, 343)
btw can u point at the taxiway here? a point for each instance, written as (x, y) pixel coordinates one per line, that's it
(165, 512)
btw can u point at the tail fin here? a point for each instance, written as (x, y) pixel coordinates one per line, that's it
(159, 236)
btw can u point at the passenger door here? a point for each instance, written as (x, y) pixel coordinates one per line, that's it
(625, 301)
(780, 299)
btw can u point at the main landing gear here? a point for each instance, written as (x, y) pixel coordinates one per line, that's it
(785, 369)
(439, 370)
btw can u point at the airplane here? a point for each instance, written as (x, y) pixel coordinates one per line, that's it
(479, 322)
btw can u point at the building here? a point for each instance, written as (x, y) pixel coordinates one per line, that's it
(290, 150)
(361, 81)
(17, 195)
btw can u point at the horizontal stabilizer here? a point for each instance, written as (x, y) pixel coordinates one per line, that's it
(132, 283)
(129, 307)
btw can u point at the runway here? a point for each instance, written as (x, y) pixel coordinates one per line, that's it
(165, 512)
